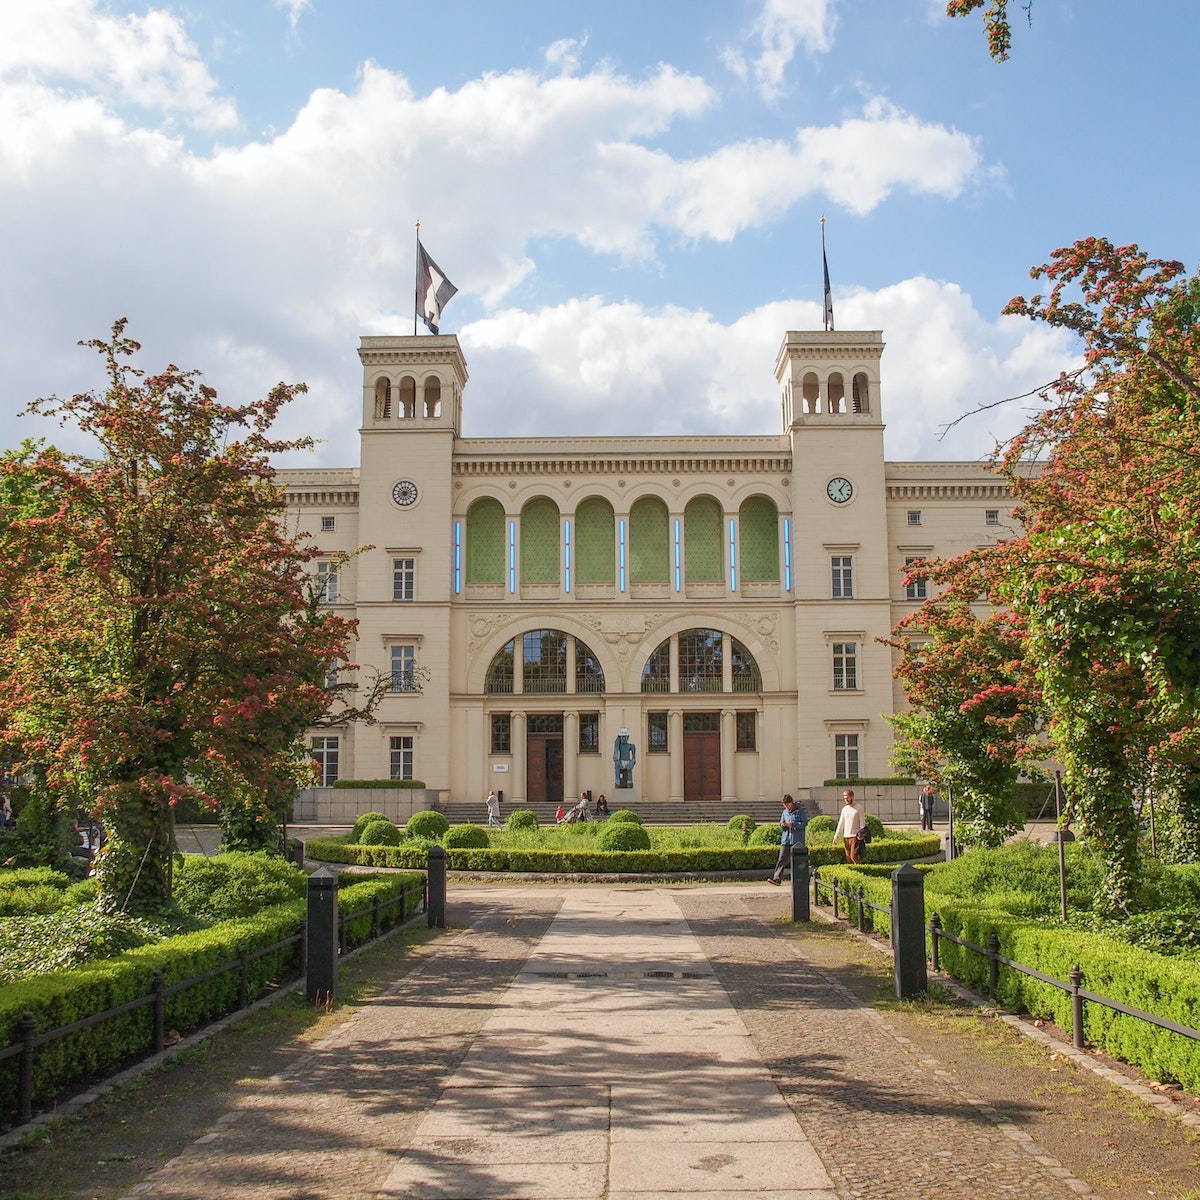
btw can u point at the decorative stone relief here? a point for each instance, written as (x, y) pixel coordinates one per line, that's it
(482, 628)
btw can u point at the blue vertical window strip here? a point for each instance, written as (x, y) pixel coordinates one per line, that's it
(732, 556)
(457, 558)
(621, 554)
(787, 554)
(678, 564)
(512, 558)
(567, 554)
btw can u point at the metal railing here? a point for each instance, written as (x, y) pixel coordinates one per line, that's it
(29, 1040)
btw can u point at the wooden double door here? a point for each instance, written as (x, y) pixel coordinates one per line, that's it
(544, 760)
(702, 756)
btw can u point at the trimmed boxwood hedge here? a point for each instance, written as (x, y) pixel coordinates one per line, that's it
(62, 997)
(623, 835)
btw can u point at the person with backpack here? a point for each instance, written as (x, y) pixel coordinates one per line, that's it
(792, 821)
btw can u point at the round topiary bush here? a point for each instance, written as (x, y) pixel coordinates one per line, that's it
(626, 816)
(820, 829)
(743, 822)
(522, 818)
(875, 825)
(766, 835)
(427, 824)
(363, 821)
(622, 835)
(466, 837)
(380, 833)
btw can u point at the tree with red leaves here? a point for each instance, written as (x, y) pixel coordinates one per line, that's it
(161, 635)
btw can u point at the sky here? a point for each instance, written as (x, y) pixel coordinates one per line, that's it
(628, 197)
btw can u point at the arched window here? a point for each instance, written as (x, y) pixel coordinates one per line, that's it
(539, 541)
(595, 540)
(383, 399)
(433, 397)
(758, 539)
(703, 559)
(589, 675)
(860, 393)
(656, 674)
(700, 653)
(746, 675)
(499, 679)
(812, 393)
(406, 409)
(485, 542)
(649, 542)
(544, 661)
(837, 393)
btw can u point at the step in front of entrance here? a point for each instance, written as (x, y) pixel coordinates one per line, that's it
(652, 813)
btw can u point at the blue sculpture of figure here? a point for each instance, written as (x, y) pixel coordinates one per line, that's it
(624, 760)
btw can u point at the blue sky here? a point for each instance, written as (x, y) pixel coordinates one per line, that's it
(627, 196)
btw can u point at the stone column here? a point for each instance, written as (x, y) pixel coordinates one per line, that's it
(675, 751)
(728, 746)
(520, 751)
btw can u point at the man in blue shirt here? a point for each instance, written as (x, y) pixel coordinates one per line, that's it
(791, 821)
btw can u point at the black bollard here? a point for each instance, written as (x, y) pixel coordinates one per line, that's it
(800, 906)
(436, 907)
(321, 945)
(908, 931)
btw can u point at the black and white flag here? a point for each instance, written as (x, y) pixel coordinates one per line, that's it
(433, 289)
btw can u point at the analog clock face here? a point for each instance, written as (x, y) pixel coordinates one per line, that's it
(839, 489)
(405, 493)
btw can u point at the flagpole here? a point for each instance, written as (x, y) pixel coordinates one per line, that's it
(416, 275)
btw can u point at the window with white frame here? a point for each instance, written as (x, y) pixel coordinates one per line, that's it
(404, 572)
(845, 756)
(915, 589)
(991, 516)
(404, 668)
(845, 666)
(400, 756)
(914, 516)
(328, 524)
(324, 751)
(842, 566)
(327, 582)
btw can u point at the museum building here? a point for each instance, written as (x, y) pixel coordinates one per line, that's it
(717, 600)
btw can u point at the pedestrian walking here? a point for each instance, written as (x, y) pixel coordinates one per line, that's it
(850, 823)
(493, 810)
(926, 801)
(791, 823)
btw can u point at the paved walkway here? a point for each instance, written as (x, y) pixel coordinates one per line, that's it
(612, 1042)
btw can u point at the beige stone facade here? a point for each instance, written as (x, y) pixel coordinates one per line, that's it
(718, 598)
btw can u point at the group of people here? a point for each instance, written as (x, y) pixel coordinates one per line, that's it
(581, 811)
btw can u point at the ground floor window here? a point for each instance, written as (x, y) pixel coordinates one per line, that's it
(501, 733)
(400, 752)
(656, 733)
(324, 752)
(589, 733)
(845, 755)
(747, 731)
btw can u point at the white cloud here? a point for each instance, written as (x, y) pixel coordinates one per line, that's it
(294, 9)
(147, 61)
(781, 27)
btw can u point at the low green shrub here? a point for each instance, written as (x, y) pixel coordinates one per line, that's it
(380, 833)
(32, 876)
(363, 820)
(624, 835)
(525, 818)
(874, 825)
(34, 898)
(379, 784)
(820, 829)
(766, 835)
(466, 837)
(235, 884)
(427, 824)
(627, 815)
(743, 824)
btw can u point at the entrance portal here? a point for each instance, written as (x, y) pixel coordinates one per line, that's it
(544, 758)
(702, 756)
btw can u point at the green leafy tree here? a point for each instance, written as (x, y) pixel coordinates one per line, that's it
(160, 635)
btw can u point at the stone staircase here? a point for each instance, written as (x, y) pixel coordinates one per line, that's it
(655, 812)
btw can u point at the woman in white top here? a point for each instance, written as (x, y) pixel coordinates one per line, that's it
(850, 821)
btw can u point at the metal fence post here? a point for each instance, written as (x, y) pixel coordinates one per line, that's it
(320, 968)
(1076, 1008)
(437, 887)
(908, 931)
(160, 1011)
(993, 953)
(26, 1028)
(862, 909)
(800, 908)
(935, 925)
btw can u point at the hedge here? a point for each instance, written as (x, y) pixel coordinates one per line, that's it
(60, 998)
(556, 861)
(1165, 986)
(379, 783)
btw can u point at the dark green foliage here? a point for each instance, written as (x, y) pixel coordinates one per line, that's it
(235, 884)
(820, 829)
(766, 835)
(427, 824)
(743, 823)
(874, 825)
(55, 939)
(885, 781)
(466, 837)
(363, 820)
(526, 818)
(623, 835)
(627, 815)
(380, 833)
